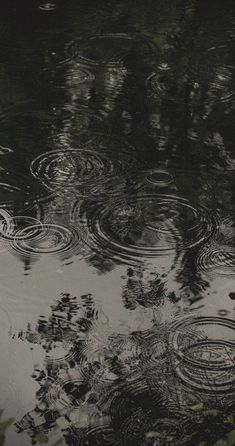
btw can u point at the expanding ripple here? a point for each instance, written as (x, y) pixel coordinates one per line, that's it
(73, 77)
(68, 392)
(110, 49)
(93, 168)
(6, 224)
(145, 226)
(11, 226)
(68, 168)
(161, 84)
(217, 259)
(46, 239)
(205, 350)
(159, 177)
(221, 89)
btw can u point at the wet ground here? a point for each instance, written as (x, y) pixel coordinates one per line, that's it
(117, 223)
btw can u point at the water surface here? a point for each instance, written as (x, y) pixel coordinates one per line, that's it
(117, 222)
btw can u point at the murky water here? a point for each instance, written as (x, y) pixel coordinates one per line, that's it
(117, 223)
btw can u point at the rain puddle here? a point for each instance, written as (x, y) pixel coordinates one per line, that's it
(117, 223)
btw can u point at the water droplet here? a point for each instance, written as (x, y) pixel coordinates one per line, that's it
(47, 7)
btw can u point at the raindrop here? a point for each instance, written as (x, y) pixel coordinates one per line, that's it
(47, 7)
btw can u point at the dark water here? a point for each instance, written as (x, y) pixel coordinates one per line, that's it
(117, 222)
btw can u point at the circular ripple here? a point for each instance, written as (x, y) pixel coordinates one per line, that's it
(205, 350)
(70, 393)
(72, 78)
(109, 49)
(132, 430)
(6, 223)
(170, 429)
(145, 226)
(45, 239)
(221, 89)
(70, 167)
(159, 177)
(89, 169)
(162, 82)
(13, 225)
(217, 260)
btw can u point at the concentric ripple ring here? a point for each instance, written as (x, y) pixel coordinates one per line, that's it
(45, 239)
(205, 349)
(16, 224)
(217, 259)
(65, 168)
(98, 166)
(146, 226)
(108, 49)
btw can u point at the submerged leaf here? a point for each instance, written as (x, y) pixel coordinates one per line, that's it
(3, 427)
(41, 438)
(221, 443)
(153, 434)
(210, 413)
(197, 407)
(58, 442)
(231, 438)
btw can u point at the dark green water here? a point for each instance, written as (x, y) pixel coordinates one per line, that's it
(117, 223)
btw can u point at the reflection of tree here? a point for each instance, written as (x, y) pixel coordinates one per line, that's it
(105, 388)
(188, 118)
(138, 290)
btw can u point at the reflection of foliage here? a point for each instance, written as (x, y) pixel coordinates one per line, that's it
(207, 423)
(107, 388)
(138, 290)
